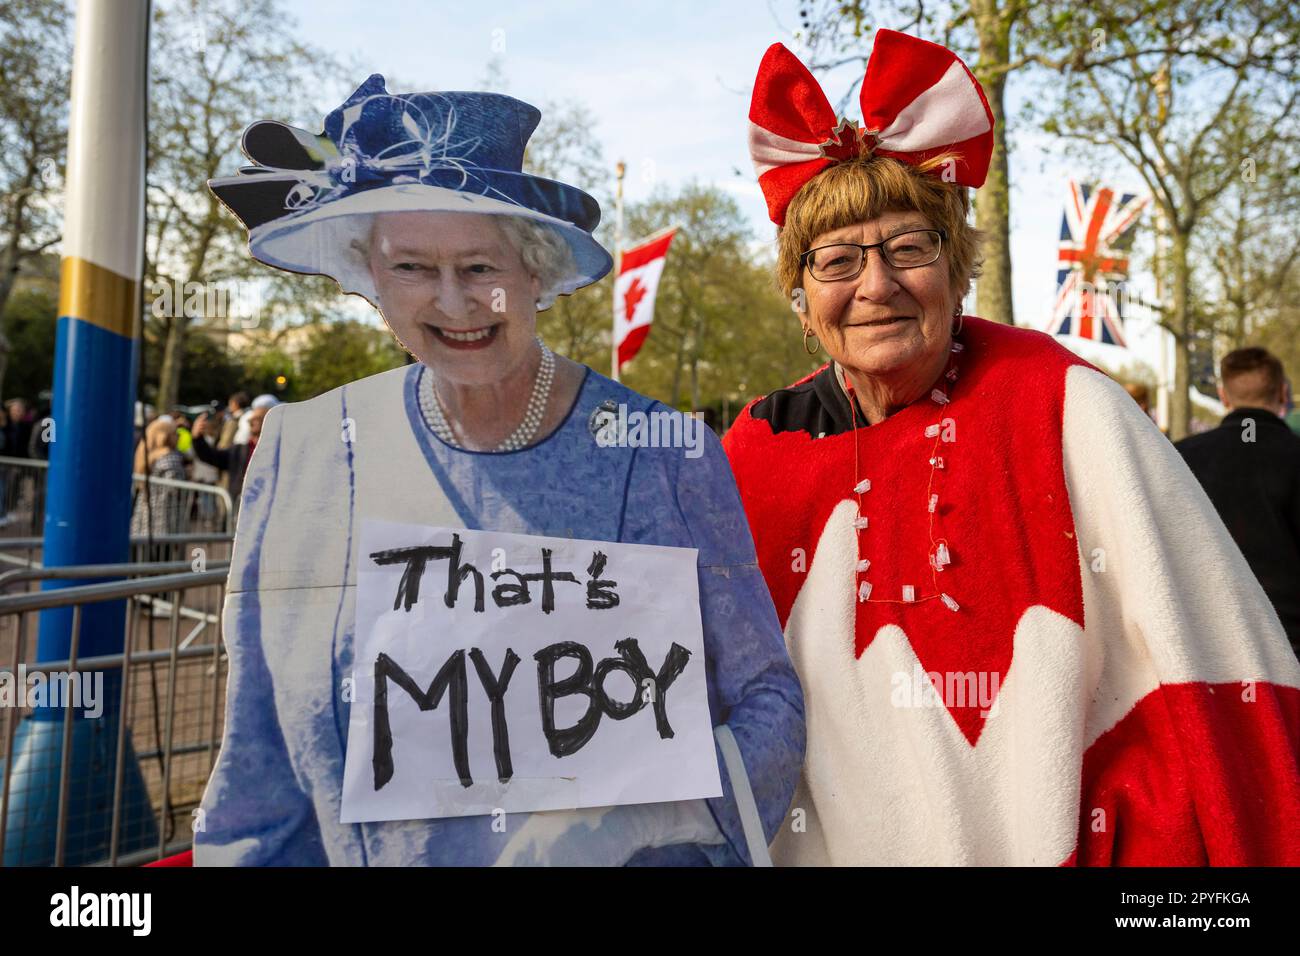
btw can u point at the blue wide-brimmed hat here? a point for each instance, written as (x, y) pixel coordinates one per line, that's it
(310, 195)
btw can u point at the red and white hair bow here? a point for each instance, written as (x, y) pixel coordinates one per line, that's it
(918, 100)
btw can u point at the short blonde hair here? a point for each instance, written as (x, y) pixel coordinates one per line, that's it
(545, 253)
(859, 190)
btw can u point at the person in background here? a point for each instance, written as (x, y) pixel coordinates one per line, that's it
(184, 440)
(216, 422)
(1250, 468)
(160, 511)
(24, 492)
(42, 430)
(1292, 415)
(236, 408)
(1141, 394)
(232, 460)
(204, 473)
(18, 430)
(264, 403)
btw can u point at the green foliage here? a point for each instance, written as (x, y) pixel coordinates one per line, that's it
(579, 326)
(211, 371)
(263, 366)
(30, 319)
(35, 62)
(564, 148)
(35, 59)
(722, 332)
(340, 352)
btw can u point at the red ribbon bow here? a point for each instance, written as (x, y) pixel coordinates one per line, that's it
(918, 100)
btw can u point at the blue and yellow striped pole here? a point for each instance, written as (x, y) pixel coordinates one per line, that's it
(88, 492)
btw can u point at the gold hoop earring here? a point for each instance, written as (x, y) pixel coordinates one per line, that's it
(961, 319)
(813, 351)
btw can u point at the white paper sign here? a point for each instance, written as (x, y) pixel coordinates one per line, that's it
(519, 672)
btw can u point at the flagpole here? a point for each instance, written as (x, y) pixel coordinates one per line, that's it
(1165, 390)
(621, 170)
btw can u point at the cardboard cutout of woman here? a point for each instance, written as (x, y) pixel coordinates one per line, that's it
(418, 203)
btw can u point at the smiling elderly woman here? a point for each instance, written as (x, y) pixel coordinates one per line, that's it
(1024, 635)
(417, 202)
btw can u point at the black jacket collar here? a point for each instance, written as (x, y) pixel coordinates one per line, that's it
(1262, 415)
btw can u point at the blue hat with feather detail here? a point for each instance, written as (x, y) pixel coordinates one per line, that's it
(308, 196)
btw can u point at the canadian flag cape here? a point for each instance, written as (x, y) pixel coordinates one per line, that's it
(640, 269)
(1131, 697)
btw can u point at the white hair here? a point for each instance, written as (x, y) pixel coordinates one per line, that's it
(546, 255)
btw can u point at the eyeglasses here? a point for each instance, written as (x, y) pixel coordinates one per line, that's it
(845, 260)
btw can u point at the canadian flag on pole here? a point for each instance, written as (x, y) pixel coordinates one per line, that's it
(634, 293)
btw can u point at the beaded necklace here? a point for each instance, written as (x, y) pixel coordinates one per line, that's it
(939, 553)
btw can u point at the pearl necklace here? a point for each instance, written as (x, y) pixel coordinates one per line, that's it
(522, 436)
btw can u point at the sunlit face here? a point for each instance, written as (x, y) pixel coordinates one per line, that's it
(455, 292)
(885, 320)
(255, 421)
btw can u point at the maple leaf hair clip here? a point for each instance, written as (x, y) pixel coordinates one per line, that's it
(846, 141)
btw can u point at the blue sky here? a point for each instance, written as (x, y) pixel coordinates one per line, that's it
(668, 85)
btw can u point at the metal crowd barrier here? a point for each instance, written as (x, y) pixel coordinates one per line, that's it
(171, 506)
(194, 550)
(130, 793)
(22, 495)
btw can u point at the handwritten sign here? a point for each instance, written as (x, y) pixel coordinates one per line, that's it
(515, 672)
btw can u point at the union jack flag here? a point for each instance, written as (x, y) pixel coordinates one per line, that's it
(1096, 236)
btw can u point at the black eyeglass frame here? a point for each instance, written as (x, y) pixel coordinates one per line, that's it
(943, 237)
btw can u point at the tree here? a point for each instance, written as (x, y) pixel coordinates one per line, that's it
(722, 330)
(1250, 252)
(35, 59)
(270, 370)
(216, 65)
(1171, 101)
(564, 147)
(340, 352)
(211, 374)
(30, 316)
